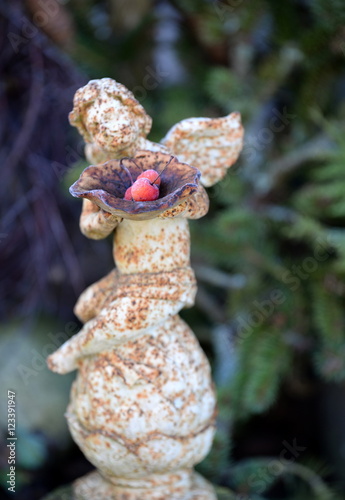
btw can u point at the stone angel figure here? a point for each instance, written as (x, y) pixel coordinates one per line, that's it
(143, 406)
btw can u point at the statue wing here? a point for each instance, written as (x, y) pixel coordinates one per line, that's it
(210, 144)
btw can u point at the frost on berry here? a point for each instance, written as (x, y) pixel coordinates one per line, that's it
(152, 176)
(128, 194)
(143, 190)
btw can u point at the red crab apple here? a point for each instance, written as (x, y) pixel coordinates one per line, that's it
(151, 175)
(128, 193)
(143, 190)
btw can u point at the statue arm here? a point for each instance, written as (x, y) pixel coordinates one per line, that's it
(95, 297)
(122, 320)
(198, 204)
(96, 223)
(194, 207)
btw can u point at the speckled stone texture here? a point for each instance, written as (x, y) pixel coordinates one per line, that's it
(143, 405)
(69, 493)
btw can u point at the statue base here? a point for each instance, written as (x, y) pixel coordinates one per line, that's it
(93, 486)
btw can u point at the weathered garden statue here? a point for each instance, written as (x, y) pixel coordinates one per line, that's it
(143, 406)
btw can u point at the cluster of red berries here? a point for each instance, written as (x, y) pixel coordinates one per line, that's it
(146, 185)
(145, 188)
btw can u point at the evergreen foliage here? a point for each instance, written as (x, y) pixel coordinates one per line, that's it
(275, 232)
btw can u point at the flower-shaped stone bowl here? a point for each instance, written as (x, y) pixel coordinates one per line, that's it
(105, 184)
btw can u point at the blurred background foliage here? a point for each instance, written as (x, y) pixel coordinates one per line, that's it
(269, 256)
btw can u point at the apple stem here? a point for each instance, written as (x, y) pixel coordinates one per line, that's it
(158, 175)
(140, 168)
(125, 168)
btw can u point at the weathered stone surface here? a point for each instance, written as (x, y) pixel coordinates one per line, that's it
(109, 117)
(68, 493)
(143, 406)
(211, 145)
(106, 184)
(114, 125)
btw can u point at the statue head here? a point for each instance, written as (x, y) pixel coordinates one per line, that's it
(107, 114)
